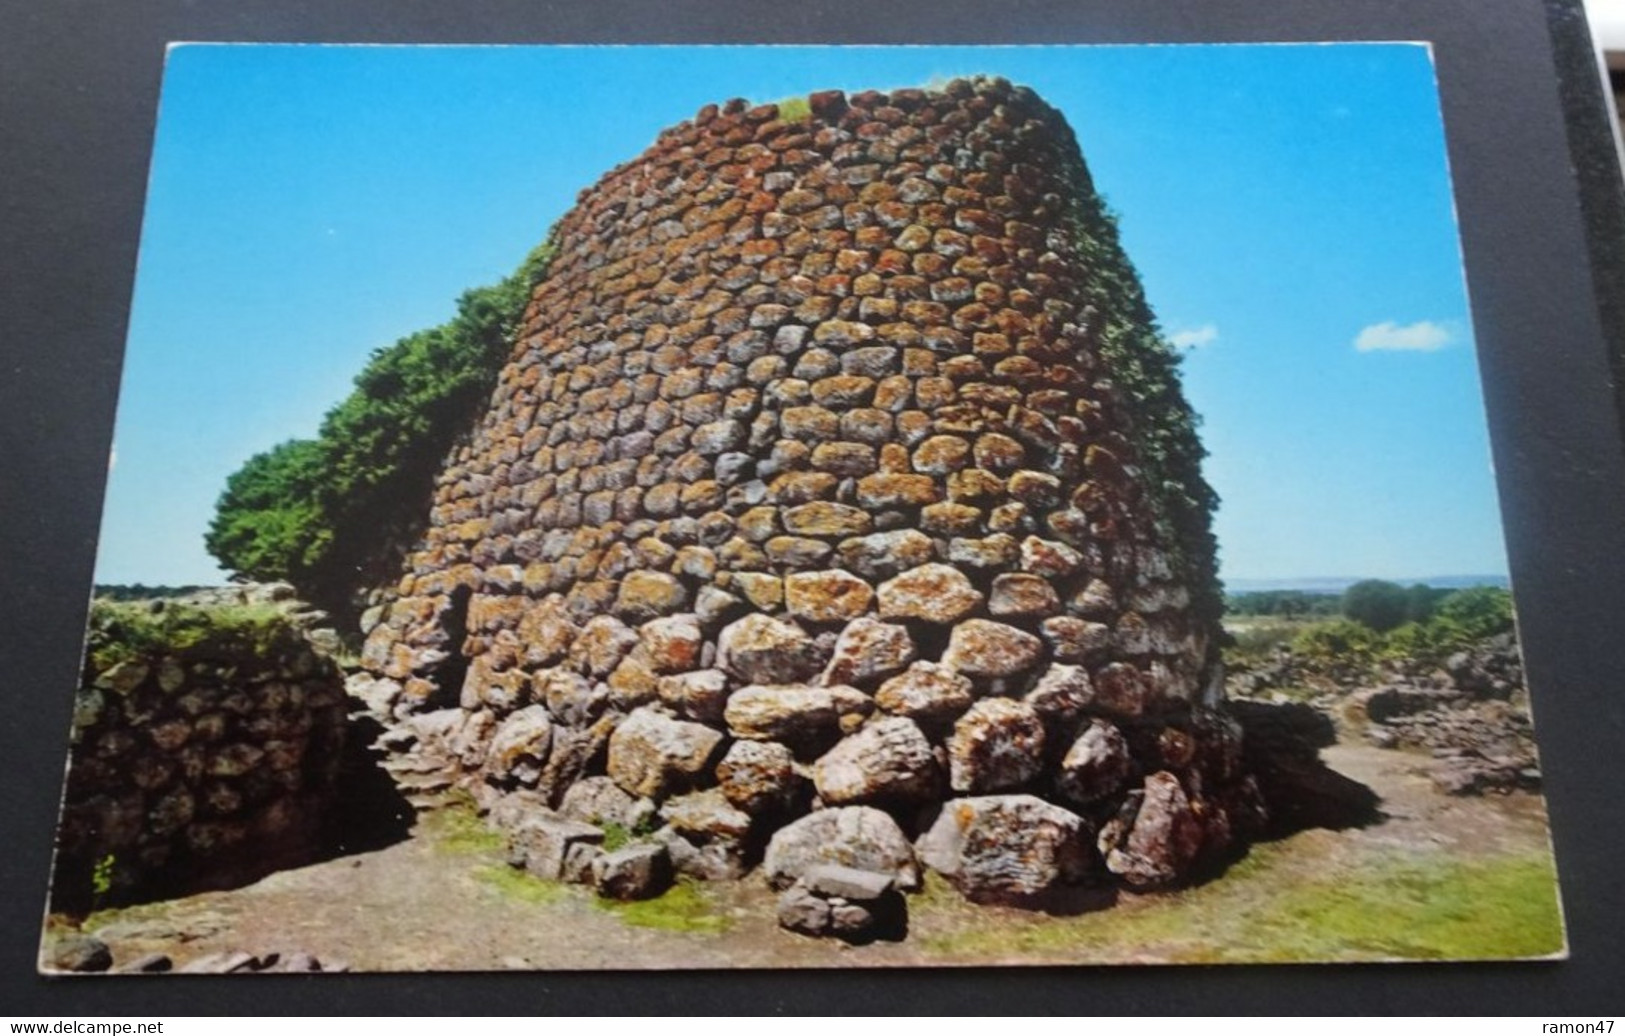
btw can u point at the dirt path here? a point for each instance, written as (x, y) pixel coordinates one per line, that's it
(444, 900)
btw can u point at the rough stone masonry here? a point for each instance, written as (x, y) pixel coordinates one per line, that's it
(823, 516)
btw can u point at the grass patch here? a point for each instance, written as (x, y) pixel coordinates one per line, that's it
(1265, 909)
(512, 883)
(457, 829)
(794, 109)
(685, 907)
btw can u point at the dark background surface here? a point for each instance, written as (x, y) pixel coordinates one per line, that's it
(1543, 225)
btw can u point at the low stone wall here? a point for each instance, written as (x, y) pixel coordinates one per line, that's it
(207, 735)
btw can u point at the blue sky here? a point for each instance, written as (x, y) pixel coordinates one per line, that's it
(1288, 208)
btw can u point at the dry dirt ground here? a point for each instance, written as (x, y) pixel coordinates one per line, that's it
(1438, 877)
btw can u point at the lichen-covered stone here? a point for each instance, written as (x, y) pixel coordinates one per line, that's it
(698, 695)
(600, 801)
(1007, 848)
(649, 595)
(519, 747)
(1051, 559)
(794, 713)
(1096, 766)
(1120, 690)
(881, 555)
(759, 777)
(927, 692)
(637, 871)
(822, 518)
(931, 593)
(868, 651)
(997, 745)
(671, 644)
(706, 816)
(542, 842)
(861, 837)
(826, 596)
(887, 762)
(1022, 595)
(1155, 836)
(653, 755)
(601, 645)
(762, 649)
(982, 648)
(1074, 640)
(1062, 693)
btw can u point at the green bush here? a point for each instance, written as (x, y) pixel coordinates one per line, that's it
(335, 514)
(1376, 603)
(120, 632)
(1477, 612)
(794, 109)
(1340, 640)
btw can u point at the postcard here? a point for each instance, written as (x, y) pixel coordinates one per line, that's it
(736, 507)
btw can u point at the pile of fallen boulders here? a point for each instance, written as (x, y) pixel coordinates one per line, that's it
(1471, 711)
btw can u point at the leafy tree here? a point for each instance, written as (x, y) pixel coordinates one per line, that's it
(1376, 604)
(1421, 600)
(1476, 612)
(335, 514)
(1287, 604)
(266, 524)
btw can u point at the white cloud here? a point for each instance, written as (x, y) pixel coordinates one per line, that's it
(1424, 336)
(1195, 338)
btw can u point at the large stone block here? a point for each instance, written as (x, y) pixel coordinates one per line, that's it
(652, 755)
(1007, 848)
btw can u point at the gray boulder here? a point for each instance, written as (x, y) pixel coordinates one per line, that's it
(1097, 765)
(759, 777)
(80, 953)
(638, 871)
(849, 883)
(927, 692)
(1007, 848)
(652, 755)
(996, 746)
(889, 761)
(760, 649)
(802, 911)
(541, 843)
(1155, 837)
(853, 836)
(794, 713)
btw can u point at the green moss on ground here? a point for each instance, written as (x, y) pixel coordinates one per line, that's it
(1265, 910)
(685, 907)
(457, 828)
(512, 883)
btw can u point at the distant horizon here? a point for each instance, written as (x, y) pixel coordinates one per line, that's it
(1288, 208)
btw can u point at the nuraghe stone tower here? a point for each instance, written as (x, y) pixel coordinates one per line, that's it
(838, 502)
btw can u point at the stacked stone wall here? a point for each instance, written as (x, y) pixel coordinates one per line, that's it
(204, 753)
(810, 486)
